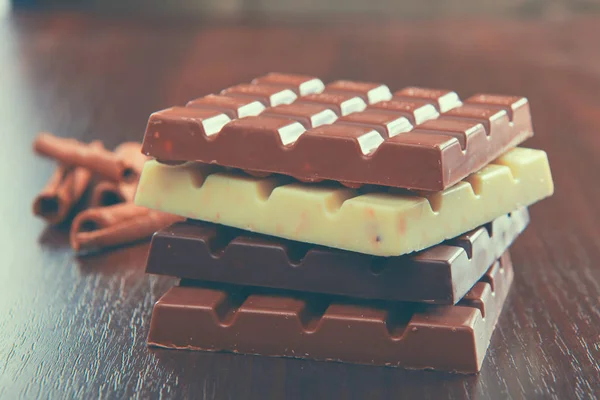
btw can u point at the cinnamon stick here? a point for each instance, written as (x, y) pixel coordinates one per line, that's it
(62, 192)
(91, 156)
(108, 193)
(102, 227)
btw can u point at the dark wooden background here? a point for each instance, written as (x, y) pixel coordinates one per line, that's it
(76, 328)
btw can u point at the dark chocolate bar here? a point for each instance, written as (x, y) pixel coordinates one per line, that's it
(252, 321)
(439, 275)
(353, 132)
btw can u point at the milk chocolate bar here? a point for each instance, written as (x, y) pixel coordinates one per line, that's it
(439, 275)
(353, 132)
(379, 221)
(217, 317)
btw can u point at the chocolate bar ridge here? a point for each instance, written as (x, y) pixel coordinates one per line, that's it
(429, 138)
(416, 336)
(440, 275)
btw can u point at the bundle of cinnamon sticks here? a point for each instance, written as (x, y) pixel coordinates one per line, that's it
(110, 218)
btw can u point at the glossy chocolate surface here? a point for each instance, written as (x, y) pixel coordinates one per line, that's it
(370, 92)
(233, 107)
(300, 84)
(270, 95)
(440, 275)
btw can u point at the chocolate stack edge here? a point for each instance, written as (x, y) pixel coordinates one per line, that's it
(339, 222)
(442, 274)
(217, 317)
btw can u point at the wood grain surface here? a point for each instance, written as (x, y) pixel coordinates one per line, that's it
(76, 328)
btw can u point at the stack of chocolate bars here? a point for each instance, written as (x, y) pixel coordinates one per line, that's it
(339, 222)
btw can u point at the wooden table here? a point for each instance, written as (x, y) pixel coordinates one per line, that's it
(76, 327)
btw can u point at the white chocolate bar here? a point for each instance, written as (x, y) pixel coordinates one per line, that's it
(383, 223)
